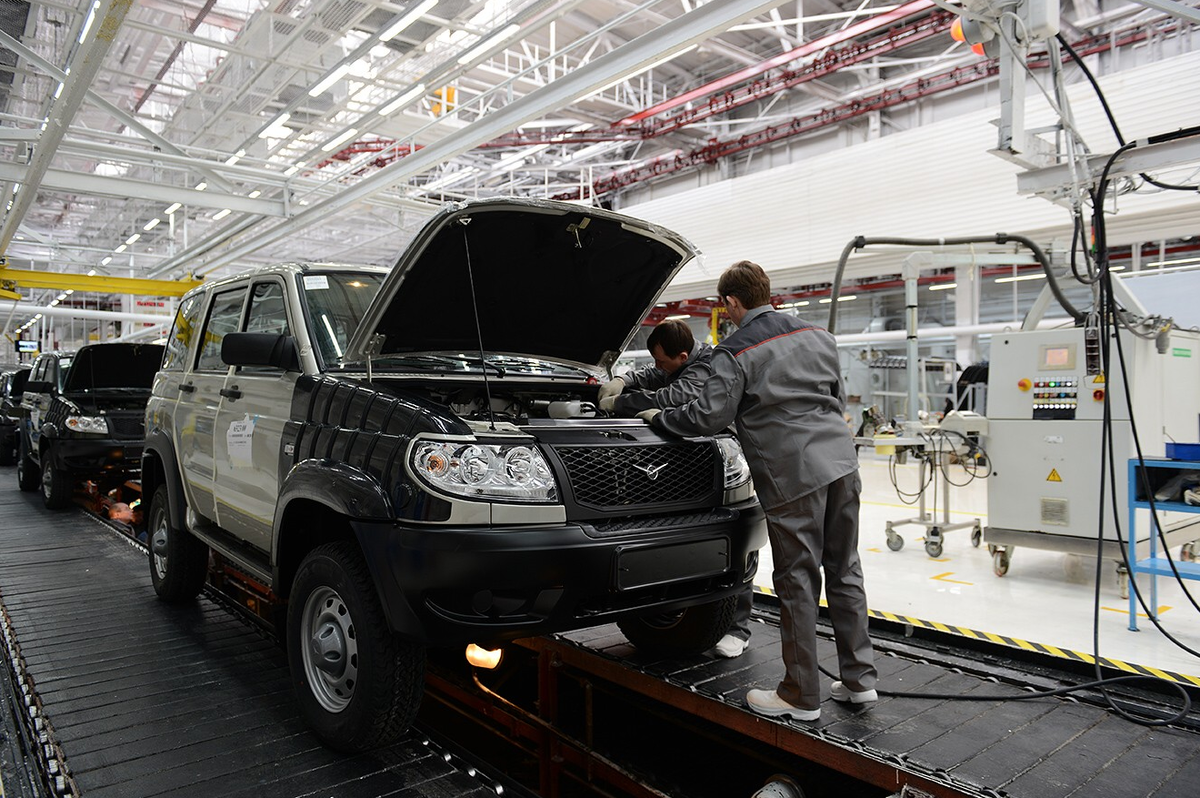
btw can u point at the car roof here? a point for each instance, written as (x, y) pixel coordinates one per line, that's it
(288, 269)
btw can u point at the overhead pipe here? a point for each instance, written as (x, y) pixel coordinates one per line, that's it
(860, 242)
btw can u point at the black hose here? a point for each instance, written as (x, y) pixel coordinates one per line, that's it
(859, 242)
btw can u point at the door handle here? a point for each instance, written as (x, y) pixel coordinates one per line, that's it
(187, 387)
(231, 393)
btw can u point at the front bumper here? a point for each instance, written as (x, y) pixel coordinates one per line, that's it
(443, 585)
(96, 457)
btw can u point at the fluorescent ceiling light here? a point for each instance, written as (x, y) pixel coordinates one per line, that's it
(847, 298)
(121, 248)
(517, 158)
(105, 262)
(291, 170)
(150, 225)
(1180, 262)
(132, 238)
(678, 317)
(92, 272)
(276, 130)
(54, 303)
(402, 100)
(174, 206)
(334, 143)
(203, 184)
(221, 214)
(232, 159)
(255, 193)
(394, 30)
(1020, 278)
(330, 79)
(87, 25)
(943, 286)
(484, 44)
(58, 92)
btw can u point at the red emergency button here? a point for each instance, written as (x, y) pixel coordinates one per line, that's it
(1098, 394)
(1024, 385)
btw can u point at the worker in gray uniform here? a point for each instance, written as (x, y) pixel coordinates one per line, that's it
(681, 367)
(779, 379)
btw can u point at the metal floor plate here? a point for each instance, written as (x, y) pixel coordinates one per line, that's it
(147, 699)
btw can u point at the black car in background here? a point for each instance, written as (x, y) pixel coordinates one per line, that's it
(12, 386)
(93, 424)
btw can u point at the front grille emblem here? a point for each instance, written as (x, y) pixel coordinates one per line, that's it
(651, 472)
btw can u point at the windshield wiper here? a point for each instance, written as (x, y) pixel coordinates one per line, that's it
(429, 361)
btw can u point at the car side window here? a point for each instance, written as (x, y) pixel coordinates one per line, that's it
(224, 317)
(39, 369)
(183, 332)
(267, 314)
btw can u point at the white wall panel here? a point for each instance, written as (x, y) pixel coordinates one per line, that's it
(935, 181)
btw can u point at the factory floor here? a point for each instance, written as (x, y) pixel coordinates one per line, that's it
(1047, 599)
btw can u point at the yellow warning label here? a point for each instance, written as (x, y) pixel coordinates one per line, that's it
(1054, 477)
(1099, 380)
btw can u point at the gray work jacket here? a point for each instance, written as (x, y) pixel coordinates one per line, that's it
(779, 379)
(650, 386)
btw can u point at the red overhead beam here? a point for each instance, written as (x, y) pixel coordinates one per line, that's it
(874, 23)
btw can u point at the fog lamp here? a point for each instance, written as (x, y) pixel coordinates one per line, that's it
(484, 658)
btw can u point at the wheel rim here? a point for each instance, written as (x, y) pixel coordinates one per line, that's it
(329, 649)
(158, 542)
(47, 481)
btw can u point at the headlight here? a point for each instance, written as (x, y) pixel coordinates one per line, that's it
(737, 471)
(90, 425)
(485, 471)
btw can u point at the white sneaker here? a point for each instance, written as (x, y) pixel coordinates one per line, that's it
(840, 692)
(730, 646)
(768, 702)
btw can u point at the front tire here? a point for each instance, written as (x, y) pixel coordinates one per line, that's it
(178, 561)
(29, 478)
(56, 483)
(358, 685)
(685, 633)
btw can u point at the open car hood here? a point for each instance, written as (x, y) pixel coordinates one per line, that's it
(550, 279)
(113, 366)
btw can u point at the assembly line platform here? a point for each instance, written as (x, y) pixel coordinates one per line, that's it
(137, 698)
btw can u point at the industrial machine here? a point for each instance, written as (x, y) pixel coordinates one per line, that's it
(1046, 392)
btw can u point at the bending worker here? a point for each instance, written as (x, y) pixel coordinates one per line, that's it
(680, 369)
(779, 379)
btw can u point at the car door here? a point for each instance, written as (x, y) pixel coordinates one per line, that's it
(47, 371)
(200, 400)
(256, 403)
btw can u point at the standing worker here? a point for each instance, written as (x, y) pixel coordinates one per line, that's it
(779, 379)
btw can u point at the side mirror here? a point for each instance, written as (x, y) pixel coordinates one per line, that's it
(260, 349)
(38, 386)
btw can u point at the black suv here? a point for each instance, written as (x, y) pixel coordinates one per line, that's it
(12, 386)
(414, 458)
(86, 421)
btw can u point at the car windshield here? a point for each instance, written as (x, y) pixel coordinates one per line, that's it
(336, 304)
(470, 362)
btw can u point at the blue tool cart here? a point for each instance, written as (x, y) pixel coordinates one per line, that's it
(1159, 474)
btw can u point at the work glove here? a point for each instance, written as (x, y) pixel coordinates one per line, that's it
(609, 403)
(648, 415)
(612, 389)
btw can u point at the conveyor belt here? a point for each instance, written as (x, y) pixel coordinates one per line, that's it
(1043, 748)
(138, 698)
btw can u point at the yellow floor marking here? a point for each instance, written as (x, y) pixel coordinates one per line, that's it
(969, 633)
(1162, 608)
(941, 627)
(1123, 666)
(1024, 645)
(995, 638)
(911, 507)
(1058, 652)
(942, 578)
(1158, 673)
(877, 551)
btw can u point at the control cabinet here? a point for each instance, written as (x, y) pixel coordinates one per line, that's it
(1046, 395)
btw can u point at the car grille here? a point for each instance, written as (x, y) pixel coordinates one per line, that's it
(623, 477)
(127, 428)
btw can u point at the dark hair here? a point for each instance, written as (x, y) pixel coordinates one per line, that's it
(748, 282)
(673, 335)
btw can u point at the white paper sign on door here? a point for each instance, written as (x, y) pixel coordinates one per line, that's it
(239, 439)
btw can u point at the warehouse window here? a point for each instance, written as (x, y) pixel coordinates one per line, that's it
(224, 318)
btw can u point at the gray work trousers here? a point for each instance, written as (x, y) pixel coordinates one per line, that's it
(820, 530)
